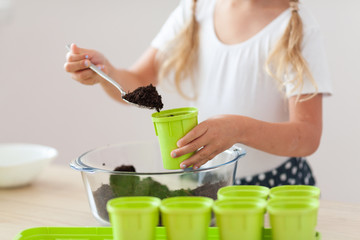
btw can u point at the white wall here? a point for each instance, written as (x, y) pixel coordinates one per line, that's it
(39, 103)
(337, 162)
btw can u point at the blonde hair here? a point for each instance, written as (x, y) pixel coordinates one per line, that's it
(181, 55)
(288, 51)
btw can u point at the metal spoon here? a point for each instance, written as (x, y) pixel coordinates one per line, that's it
(107, 78)
(139, 97)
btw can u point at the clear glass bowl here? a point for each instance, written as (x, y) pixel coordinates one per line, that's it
(102, 183)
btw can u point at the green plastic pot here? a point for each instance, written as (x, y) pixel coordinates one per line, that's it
(170, 126)
(134, 218)
(243, 191)
(295, 191)
(241, 218)
(186, 217)
(293, 218)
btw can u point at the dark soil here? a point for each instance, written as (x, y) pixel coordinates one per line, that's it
(101, 196)
(147, 97)
(130, 185)
(208, 190)
(125, 168)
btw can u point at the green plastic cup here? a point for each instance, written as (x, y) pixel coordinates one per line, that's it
(186, 217)
(293, 218)
(243, 191)
(295, 191)
(170, 126)
(240, 218)
(134, 218)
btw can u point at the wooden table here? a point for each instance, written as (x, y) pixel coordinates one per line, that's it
(58, 198)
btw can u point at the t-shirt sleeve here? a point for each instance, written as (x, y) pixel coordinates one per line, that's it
(314, 53)
(175, 22)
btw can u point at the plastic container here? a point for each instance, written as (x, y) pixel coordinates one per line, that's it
(186, 217)
(241, 218)
(105, 233)
(295, 191)
(134, 218)
(102, 183)
(170, 126)
(243, 191)
(292, 218)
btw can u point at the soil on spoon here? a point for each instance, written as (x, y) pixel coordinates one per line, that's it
(147, 97)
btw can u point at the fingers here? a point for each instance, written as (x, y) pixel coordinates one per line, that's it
(200, 157)
(204, 149)
(83, 59)
(78, 61)
(85, 77)
(77, 65)
(195, 133)
(76, 50)
(191, 142)
(206, 139)
(71, 57)
(77, 54)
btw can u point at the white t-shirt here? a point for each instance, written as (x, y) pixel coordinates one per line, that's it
(232, 79)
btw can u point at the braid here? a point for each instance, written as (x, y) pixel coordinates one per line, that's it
(181, 53)
(288, 51)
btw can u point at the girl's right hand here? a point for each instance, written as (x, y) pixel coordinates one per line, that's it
(78, 61)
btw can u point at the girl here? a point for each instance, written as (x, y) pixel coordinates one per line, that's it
(258, 74)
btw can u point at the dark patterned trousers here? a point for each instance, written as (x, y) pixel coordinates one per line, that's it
(295, 171)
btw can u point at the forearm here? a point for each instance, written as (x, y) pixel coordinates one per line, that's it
(142, 73)
(285, 139)
(300, 136)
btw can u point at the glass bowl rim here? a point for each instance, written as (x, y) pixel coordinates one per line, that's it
(77, 164)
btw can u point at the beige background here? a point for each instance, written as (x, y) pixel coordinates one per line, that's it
(39, 103)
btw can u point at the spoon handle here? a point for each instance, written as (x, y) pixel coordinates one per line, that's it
(107, 78)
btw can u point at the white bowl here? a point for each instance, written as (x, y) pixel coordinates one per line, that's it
(21, 163)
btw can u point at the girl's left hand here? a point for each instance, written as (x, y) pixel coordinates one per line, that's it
(210, 138)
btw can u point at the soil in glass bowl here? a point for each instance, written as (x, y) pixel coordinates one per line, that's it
(130, 185)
